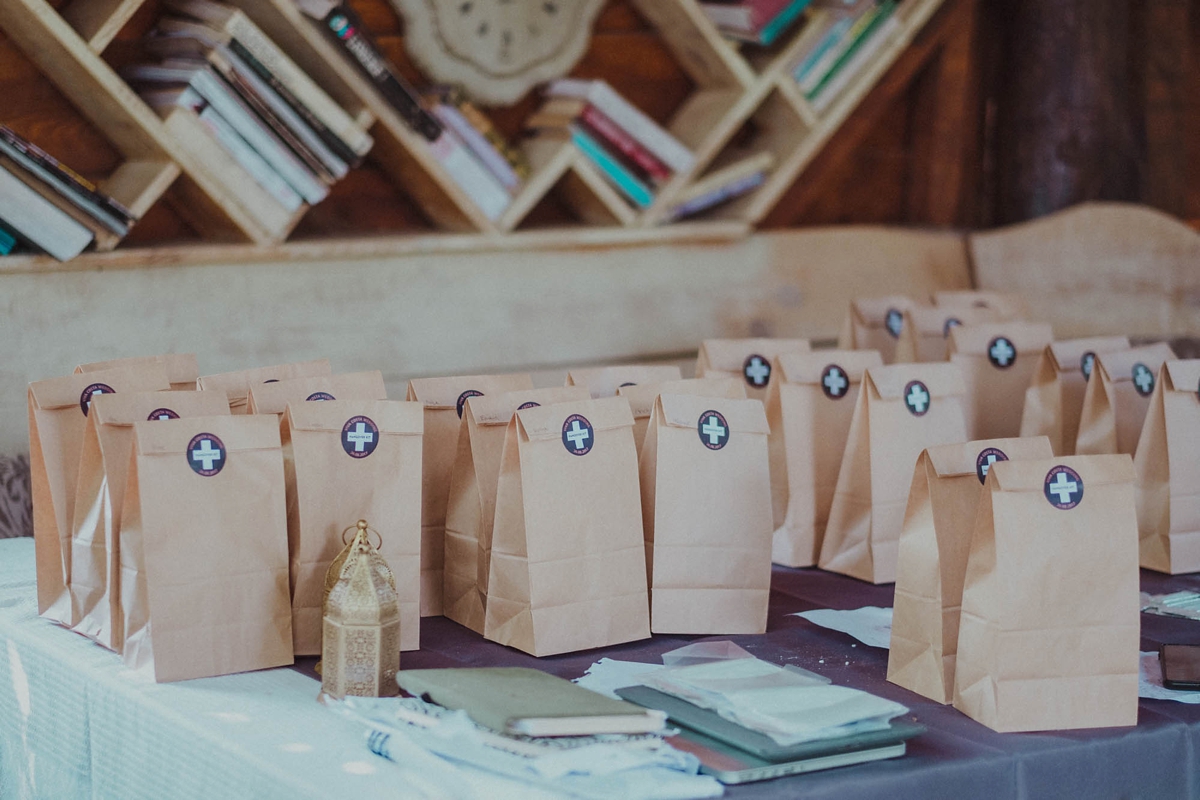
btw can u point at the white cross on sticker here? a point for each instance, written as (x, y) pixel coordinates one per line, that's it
(835, 382)
(1064, 487)
(1002, 352)
(360, 437)
(917, 398)
(206, 455)
(577, 435)
(1144, 378)
(713, 430)
(757, 371)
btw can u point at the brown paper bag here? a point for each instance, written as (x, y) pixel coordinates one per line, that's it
(471, 507)
(706, 498)
(605, 381)
(809, 408)
(748, 359)
(100, 494)
(875, 323)
(568, 568)
(236, 385)
(642, 396)
(932, 562)
(1049, 631)
(444, 400)
(58, 410)
(204, 563)
(346, 460)
(273, 398)
(1054, 398)
(1009, 305)
(181, 368)
(901, 410)
(997, 361)
(925, 331)
(1115, 405)
(1168, 472)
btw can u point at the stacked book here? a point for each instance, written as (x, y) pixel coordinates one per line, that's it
(48, 207)
(262, 128)
(730, 177)
(846, 41)
(759, 22)
(466, 144)
(631, 151)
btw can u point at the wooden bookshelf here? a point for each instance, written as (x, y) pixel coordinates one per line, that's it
(736, 89)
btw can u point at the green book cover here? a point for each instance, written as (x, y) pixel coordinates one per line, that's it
(785, 18)
(881, 14)
(8, 241)
(620, 177)
(502, 698)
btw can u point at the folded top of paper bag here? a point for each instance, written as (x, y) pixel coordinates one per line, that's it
(951, 460)
(809, 368)
(1025, 337)
(498, 409)
(606, 381)
(273, 398)
(729, 355)
(126, 408)
(181, 368)
(236, 385)
(873, 311)
(941, 379)
(1184, 375)
(69, 390)
(1031, 476)
(741, 416)
(1010, 304)
(938, 320)
(389, 416)
(1118, 365)
(546, 422)
(454, 391)
(642, 396)
(1068, 354)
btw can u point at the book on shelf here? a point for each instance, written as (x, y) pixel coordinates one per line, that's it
(881, 27)
(115, 217)
(258, 93)
(102, 237)
(860, 20)
(652, 136)
(343, 26)
(38, 221)
(453, 120)
(763, 23)
(562, 112)
(228, 159)
(616, 173)
(482, 123)
(224, 101)
(737, 177)
(223, 24)
(8, 242)
(475, 179)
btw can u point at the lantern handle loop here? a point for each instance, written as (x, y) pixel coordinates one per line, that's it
(362, 526)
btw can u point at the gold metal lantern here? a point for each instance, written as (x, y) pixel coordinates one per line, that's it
(360, 648)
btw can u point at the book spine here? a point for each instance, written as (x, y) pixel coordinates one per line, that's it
(781, 23)
(739, 18)
(858, 58)
(717, 196)
(881, 15)
(250, 160)
(482, 149)
(472, 176)
(334, 142)
(624, 143)
(829, 40)
(348, 31)
(616, 174)
(825, 64)
(60, 176)
(480, 122)
(38, 221)
(8, 242)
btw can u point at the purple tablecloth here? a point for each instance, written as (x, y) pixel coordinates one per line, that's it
(957, 758)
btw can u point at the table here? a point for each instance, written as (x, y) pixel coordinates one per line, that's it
(75, 723)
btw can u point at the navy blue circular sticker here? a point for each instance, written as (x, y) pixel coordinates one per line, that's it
(85, 397)
(627, 383)
(1064, 487)
(916, 398)
(894, 322)
(986, 458)
(160, 414)
(577, 435)
(951, 322)
(315, 396)
(529, 404)
(713, 430)
(757, 370)
(1086, 362)
(834, 382)
(1143, 379)
(462, 400)
(206, 454)
(1001, 352)
(360, 436)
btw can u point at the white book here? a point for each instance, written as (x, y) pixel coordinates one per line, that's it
(38, 221)
(629, 118)
(250, 160)
(453, 119)
(475, 179)
(866, 51)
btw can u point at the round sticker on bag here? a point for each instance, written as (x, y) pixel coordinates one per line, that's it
(85, 397)
(529, 404)
(577, 435)
(1143, 379)
(360, 436)
(206, 454)
(1001, 352)
(916, 398)
(894, 322)
(713, 430)
(985, 460)
(462, 400)
(757, 371)
(315, 396)
(1086, 362)
(1064, 488)
(834, 382)
(160, 414)
(951, 322)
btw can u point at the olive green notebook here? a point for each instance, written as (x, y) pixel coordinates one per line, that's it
(528, 702)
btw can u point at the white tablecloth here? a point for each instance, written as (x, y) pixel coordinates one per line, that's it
(74, 723)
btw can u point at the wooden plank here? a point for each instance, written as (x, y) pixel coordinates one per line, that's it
(591, 196)
(1098, 268)
(138, 185)
(548, 161)
(99, 21)
(699, 47)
